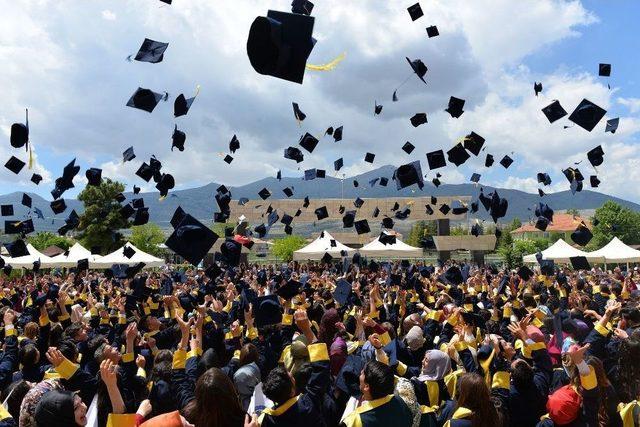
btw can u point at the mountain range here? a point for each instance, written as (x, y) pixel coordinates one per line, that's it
(200, 201)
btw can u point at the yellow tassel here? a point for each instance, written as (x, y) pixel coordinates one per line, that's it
(328, 66)
(197, 91)
(30, 157)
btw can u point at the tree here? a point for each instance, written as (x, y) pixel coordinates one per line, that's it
(284, 247)
(44, 239)
(459, 231)
(419, 230)
(513, 254)
(147, 237)
(101, 219)
(573, 211)
(613, 220)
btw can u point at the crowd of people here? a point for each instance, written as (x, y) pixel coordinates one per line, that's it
(378, 344)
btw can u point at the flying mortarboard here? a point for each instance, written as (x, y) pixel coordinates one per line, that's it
(289, 289)
(288, 192)
(128, 251)
(348, 219)
(369, 157)
(444, 209)
(408, 147)
(14, 164)
(376, 212)
(544, 178)
(377, 109)
(384, 181)
(6, 210)
(167, 182)
(387, 222)
(151, 51)
(17, 248)
(408, 174)
(506, 161)
(582, 235)
(337, 165)
(595, 182)
(418, 119)
(554, 111)
(362, 226)
(537, 88)
(145, 99)
(595, 156)
(178, 139)
(432, 31)
(415, 11)
(525, 273)
(321, 213)
(20, 133)
(326, 258)
(387, 239)
(94, 176)
(297, 113)
(473, 143)
(457, 155)
(26, 200)
(428, 210)
(191, 239)
(488, 162)
(587, 115)
(286, 219)
(342, 291)
(455, 107)
(293, 153)
(337, 135)
(580, 263)
(308, 142)
(358, 202)
(419, 68)
(182, 105)
(267, 311)
(36, 178)
(475, 178)
(612, 125)
(604, 70)
(58, 206)
(436, 159)
(264, 194)
(303, 7)
(141, 217)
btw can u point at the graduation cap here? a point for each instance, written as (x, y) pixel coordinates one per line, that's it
(128, 155)
(279, 175)
(595, 156)
(17, 248)
(387, 239)
(264, 194)
(403, 214)
(542, 223)
(94, 176)
(428, 210)
(288, 192)
(26, 200)
(178, 139)
(579, 263)
(525, 273)
(506, 161)
(36, 178)
(58, 206)
(436, 159)
(128, 252)
(20, 133)
(261, 230)
(408, 147)
(82, 265)
(604, 70)
(396, 206)
(444, 209)
(432, 31)
(297, 113)
(537, 88)
(387, 222)
(348, 219)
(544, 178)
(376, 212)
(475, 178)
(369, 157)
(191, 239)
(408, 174)
(594, 181)
(280, 43)
(145, 99)
(272, 218)
(65, 182)
(6, 210)
(612, 125)
(457, 154)
(476, 230)
(321, 213)
(305, 202)
(587, 115)
(415, 11)
(377, 109)
(460, 210)
(12, 227)
(326, 258)
(453, 275)
(167, 182)
(418, 119)
(420, 69)
(455, 107)
(384, 181)
(267, 311)
(14, 164)
(554, 111)
(182, 105)
(337, 165)
(142, 216)
(547, 266)
(301, 6)
(337, 135)
(293, 153)
(342, 291)
(286, 219)
(289, 289)
(358, 202)
(234, 144)
(581, 235)
(362, 226)
(488, 162)
(473, 143)
(151, 51)
(544, 210)
(498, 207)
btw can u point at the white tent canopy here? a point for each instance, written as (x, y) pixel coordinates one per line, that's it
(399, 249)
(28, 260)
(75, 254)
(617, 252)
(560, 252)
(316, 249)
(117, 257)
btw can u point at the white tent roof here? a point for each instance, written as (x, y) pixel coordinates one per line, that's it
(117, 257)
(316, 249)
(561, 251)
(28, 260)
(399, 249)
(75, 254)
(616, 251)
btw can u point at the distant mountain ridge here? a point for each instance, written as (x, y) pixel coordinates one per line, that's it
(200, 201)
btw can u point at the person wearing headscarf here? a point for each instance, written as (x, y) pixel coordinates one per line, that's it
(59, 408)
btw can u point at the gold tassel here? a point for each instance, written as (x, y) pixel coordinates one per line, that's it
(328, 66)
(30, 157)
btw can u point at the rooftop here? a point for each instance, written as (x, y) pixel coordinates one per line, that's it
(561, 223)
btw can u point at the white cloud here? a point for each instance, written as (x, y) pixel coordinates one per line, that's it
(108, 15)
(633, 104)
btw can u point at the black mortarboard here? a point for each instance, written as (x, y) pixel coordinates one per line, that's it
(267, 311)
(444, 209)
(396, 206)
(604, 70)
(178, 139)
(82, 265)
(17, 248)
(547, 266)
(142, 216)
(369, 157)
(151, 51)
(376, 212)
(362, 226)
(167, 182)
(337, 165)
(94, 176)
(377, 108)
(537, 88)
(297, 113)
(227, 159)
(36, 178)
(14, 164)
(348, 219)
(321, 213)
(384, 181)
(280, 43)
(408, 147)
(12, 227)
(408, 174)
(272, 218)
(288, 192)
(128, 155)
(305, 202)
(582, 235)
(420, 69)
(261, 230)
(128, 252)
(286, 219)
(120, 198)
(457, 155)
(355, 183)
(525, 273)
(387, 239)
(542, 223)
(488, 162)
(234, 144)
(612, 125)
(506, 161)
(455, 107)
(415, 11)
(580, 263)
(544, 210)
(403, 214)
(475, 178)
(326, 258)
(595, 182)
(587, 115)
(554, 111)
(453, 275)
(191, 239)
(544, 178)
(337, 134)
(358, 202)
(145, 172)
(26, 200)
(264, 194)
(289, 289)
(595, 156)
(20, 133)
(58, 206)
(387, 222)
(436, 159)
(342, 291)
(304, 7)
(293, 153)
(6, 210)
(418, 119)
(182, 105)
(230, 252)
(144, 99)
(432, 31)
(473, 143)
(428, 210)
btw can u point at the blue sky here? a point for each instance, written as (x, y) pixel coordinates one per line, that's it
(67, 64)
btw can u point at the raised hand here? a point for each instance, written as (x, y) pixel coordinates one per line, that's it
(108, 373)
